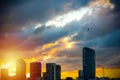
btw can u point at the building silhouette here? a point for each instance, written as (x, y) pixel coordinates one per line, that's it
(35, 70)
(20, 69)
(50, 68)
(80, 73)
(53, 71)
(69, 78)
(45, 76)
(88, 63)
(58, 72)
(4, 74)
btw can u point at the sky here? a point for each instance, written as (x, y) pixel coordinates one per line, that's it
(57, 30)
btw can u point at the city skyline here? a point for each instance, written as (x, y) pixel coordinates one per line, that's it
(53, 70)
(56, 31)
(75, 73)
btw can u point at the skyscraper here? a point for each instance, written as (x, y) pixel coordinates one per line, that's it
(35, 70)
(58, 72)
(88, 63)
(50, 68)
(4, 74)
(20, 69)
(53, 71)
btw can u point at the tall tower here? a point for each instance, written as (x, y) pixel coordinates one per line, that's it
(53, 71)
(88, 63)
(58, 72)
(4, 74)
(20, 69)
(35, 70)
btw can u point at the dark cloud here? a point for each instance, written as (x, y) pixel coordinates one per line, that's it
(6, 5)
(99, 24)
(98, 30)
(116, 5)
(104, 57)
(16, 14)
(108, 57)
(73, 52)
(83, 2)
(67, 63)
(103, 30)
(40, 29)
(6, 14)
(53, 33)
(110, 40)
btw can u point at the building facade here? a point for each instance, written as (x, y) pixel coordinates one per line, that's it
(4, 74)
(88, 63)
(20, 70)
(53, 71)
(35, 70)
(58, 72)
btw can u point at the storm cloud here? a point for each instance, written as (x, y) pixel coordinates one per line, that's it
(17, 14)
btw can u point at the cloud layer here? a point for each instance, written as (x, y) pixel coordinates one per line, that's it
(56, 31)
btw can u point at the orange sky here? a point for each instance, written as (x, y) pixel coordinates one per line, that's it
(11, 57)
(109, 72)
(112, 73)
(49, 51)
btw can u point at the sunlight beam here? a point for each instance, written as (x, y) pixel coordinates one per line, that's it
(62, 20)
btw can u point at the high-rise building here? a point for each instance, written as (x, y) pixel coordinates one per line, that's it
(53, 71)
(35, 70)
(88, 63)
(50, 68)
(58, 72)
(4, 74)
(20, 69)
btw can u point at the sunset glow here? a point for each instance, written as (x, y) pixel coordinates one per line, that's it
(11, 67)
(99, 72)
(57, 31)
